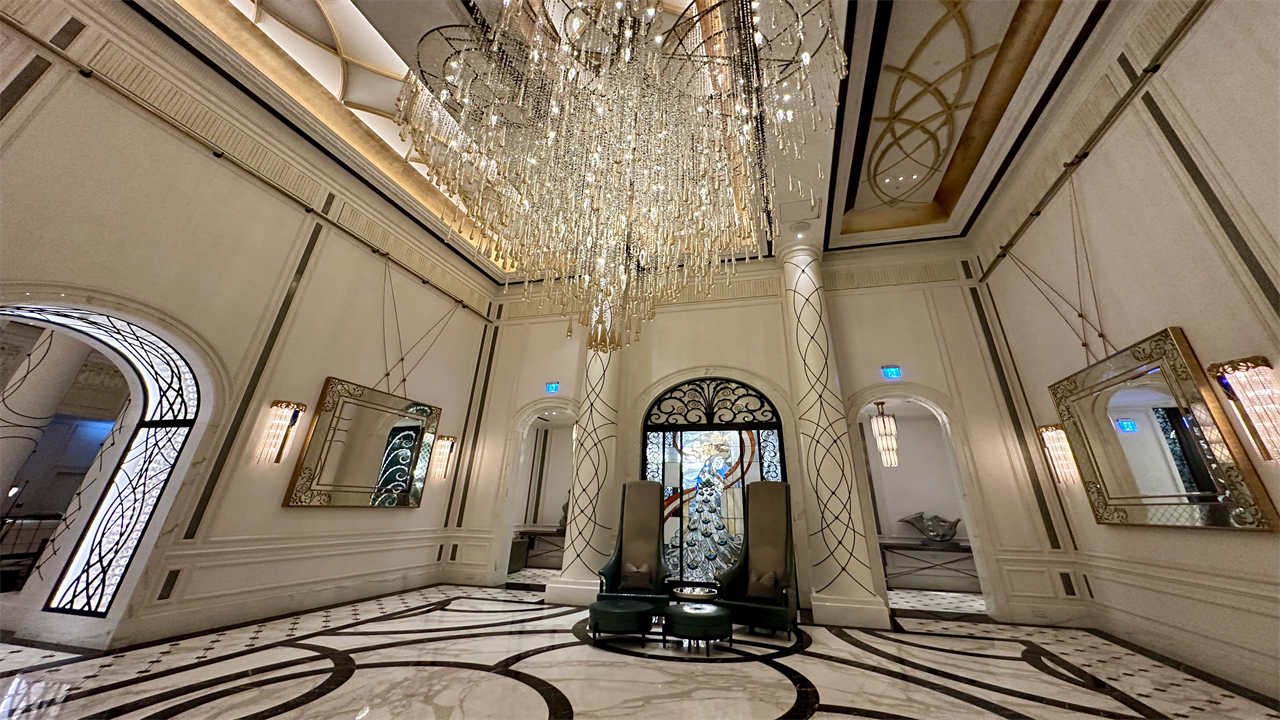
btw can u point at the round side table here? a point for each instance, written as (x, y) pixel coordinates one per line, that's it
(621, 617)
(697, 621)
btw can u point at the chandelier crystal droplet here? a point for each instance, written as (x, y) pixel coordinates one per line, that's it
(616, 151)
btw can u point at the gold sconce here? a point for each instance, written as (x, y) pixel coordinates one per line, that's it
(1251, 386)
(280, 425)
(1060, 457)
(441, 454)
(885, 429)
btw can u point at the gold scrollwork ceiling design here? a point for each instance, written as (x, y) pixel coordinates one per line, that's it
(945, 72)
(917, 135)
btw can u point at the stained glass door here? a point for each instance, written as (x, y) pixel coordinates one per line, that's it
(705, 440)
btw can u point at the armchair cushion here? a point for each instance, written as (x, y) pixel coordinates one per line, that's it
(763, 586)
(636, 578)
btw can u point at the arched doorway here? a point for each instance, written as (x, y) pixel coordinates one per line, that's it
(153, 432)
(922, 519)
(540, 480)
(705, 440)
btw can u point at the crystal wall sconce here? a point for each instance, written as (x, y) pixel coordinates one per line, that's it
(1251, 386)
(1059, 451)
(885, 429)
(441, 454)
(280, 425)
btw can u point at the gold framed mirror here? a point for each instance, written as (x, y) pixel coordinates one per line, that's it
(1152, 444)
(365, 448)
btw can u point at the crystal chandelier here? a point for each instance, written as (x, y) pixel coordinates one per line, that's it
(617, 151)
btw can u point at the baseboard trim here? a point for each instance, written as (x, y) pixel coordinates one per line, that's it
(872, 612)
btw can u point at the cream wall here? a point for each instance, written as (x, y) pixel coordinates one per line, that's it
(932, 331)
(108, 207)
(1161, 258)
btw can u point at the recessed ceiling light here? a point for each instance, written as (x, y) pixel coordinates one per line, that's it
(799, 236)
(913, 177)
(901, 178)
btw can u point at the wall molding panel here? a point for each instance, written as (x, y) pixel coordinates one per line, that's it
(147, 85)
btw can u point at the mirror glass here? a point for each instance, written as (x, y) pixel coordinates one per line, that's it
(1152, 444)
(366, 448)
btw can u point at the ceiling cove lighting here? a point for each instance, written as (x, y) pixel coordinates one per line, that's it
(279, 435)
(619, 152)
(885, 429)
(1251, 386)
(1060, 457)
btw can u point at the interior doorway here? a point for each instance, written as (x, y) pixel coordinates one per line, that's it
(543, 480)
(36, 500)
(920, 513)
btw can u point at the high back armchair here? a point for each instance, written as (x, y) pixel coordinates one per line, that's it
(636, 570)
(759, 589)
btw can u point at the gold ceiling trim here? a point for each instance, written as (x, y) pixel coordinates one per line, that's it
(1015, 52)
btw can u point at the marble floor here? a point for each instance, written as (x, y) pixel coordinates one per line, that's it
(462, 652)
(533, 576)
(936, 601)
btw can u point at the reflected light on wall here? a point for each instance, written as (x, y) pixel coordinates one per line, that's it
(1060, 457)
(1251, 386)
(441, 454)
(280, 426)
(885, 429)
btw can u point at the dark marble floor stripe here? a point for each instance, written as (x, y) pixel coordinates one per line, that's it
(1145, 711)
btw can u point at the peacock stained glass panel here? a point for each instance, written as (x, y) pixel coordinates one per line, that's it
(704, 472)
(705, 440)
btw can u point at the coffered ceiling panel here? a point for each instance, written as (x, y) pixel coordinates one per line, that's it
(945, 91)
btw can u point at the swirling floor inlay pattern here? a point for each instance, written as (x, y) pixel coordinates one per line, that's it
(460, 653)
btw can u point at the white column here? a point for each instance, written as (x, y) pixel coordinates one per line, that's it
(842, 589)
(588, 541)
(32, 396)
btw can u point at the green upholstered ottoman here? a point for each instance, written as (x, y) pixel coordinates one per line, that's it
(697, 621)
(620, 617)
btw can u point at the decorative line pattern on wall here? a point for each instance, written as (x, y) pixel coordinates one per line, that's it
(361, 225)
(823, 432)
(146, 84)
(171, 400)
(1046, 165)
(881, 277)
(1163, 16)
(596, 436)
(765, 287)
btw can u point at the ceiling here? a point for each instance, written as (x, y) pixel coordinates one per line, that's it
(940, 95)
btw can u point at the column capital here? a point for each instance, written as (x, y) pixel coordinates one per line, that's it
(798, 250)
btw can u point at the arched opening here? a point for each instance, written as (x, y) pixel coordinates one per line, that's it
(539, 501)
(705, 440)
(133, 467)
(54, 422)
(921, 519)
